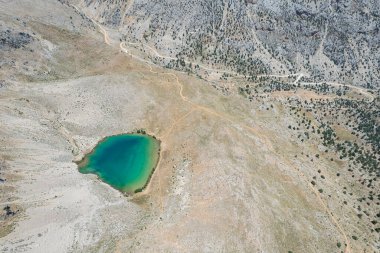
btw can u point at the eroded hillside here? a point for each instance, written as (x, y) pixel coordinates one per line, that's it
(260, 153)
(328, 40)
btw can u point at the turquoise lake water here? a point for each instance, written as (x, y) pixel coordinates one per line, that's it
(125, 162)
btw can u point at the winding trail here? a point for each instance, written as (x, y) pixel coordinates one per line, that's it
(360, 90)
(228, 118)
(102, 30)
(298, 78)
(254, 131)
(297, 75)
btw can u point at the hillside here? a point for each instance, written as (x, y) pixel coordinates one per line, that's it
(330, 41)
(268, 114)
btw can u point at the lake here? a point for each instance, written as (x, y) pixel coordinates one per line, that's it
(125, 162)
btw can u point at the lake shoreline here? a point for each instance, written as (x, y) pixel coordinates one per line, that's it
(85, 160)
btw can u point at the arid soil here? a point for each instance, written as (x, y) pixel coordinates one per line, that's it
(233, 175)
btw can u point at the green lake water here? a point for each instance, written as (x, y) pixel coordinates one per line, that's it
(125, 162)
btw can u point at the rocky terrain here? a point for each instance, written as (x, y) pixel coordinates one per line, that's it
(330, 40)
(268, 113)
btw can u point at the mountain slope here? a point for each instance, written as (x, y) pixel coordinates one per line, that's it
(270, 163)
(331, 41)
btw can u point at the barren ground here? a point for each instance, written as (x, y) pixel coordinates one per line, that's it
(231, 177)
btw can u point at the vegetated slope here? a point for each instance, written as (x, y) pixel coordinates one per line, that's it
(270, 164)
(330, 40)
